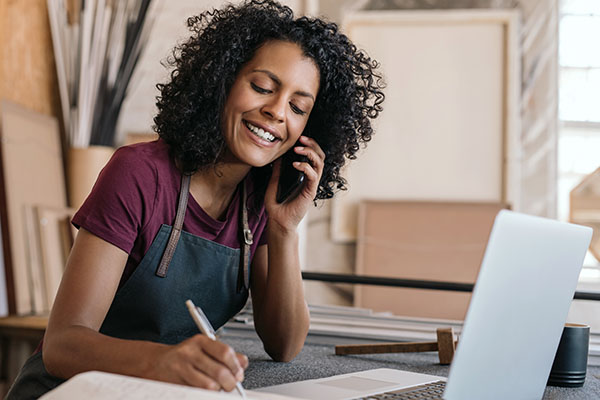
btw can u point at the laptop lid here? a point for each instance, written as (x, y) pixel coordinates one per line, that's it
(518, 308)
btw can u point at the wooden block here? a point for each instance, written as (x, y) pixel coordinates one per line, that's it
(446, 345)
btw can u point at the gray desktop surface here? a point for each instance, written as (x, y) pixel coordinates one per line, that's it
(318, 360)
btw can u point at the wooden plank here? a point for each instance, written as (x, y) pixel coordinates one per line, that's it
(32, 172)
(30, 322)
(34, 260)
(55, 245)
(27, 71)
(378, 348)
(439, 241)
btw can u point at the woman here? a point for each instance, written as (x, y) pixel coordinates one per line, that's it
(250, 84)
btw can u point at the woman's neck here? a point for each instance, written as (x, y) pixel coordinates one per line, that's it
(213, 187)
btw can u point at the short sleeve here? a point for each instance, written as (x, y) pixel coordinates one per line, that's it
(122, 199)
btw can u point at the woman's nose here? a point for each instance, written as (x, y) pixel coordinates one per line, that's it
(275, 109)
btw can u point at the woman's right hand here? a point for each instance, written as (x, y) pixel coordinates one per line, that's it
(201, 362)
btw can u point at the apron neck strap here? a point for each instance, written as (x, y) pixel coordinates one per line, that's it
(246, 240)
(184, 193)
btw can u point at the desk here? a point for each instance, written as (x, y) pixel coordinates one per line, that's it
(32, 327)
(318, 360)
(19, 337)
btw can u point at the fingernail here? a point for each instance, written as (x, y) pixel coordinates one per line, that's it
(299, 148)
(240, 375)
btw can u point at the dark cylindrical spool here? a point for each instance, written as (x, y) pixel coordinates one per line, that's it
(570, 362)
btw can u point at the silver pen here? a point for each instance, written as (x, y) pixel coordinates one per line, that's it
(206, 328)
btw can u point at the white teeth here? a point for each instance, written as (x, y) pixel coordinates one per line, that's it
(260, 132)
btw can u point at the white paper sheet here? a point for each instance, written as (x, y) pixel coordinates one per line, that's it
(96, 385)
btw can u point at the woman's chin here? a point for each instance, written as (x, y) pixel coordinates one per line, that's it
(256, 163)
(260, 164)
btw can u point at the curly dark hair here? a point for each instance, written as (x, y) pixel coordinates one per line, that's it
(222, 41)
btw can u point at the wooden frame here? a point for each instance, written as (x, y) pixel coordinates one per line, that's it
(378, 174)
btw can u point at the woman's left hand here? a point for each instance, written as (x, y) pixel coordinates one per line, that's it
(289, 213)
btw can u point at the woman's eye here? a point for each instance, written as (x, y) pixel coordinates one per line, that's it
(259, 89)
(296, 109)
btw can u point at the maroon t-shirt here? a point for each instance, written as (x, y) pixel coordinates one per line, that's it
(137, 192)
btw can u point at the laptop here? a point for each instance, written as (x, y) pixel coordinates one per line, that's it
(511, 331)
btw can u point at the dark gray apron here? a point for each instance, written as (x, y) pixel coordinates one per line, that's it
(151, 304)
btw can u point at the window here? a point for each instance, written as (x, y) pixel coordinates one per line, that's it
(579, 99)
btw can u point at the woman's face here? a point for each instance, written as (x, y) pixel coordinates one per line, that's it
(269, 103)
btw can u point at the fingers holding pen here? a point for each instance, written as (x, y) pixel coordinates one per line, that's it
(226, 366)
(243, 360)
(201, 362)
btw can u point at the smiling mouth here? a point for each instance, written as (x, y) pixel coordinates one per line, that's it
(261, 133)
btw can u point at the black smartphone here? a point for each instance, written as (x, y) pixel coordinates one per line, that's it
(291, 180)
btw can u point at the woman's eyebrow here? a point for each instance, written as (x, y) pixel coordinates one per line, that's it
(275, 79)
